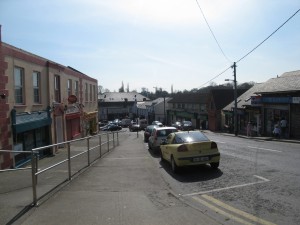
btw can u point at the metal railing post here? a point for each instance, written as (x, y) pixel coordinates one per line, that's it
(88, 150)
(100, 146)
(107, 141)
(34, 177)
(69, 161)
(117, 138)
(113, 139)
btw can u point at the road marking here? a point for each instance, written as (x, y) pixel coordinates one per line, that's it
(263, 180)
(244, 215)
(265, 149)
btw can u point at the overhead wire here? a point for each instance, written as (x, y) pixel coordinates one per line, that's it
(252, 49)
(212, 33)
(268, 37)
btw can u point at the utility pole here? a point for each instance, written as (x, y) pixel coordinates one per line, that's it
(235, 100)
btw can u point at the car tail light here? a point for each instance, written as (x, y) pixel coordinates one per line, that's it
(213, 145)
(182, 148)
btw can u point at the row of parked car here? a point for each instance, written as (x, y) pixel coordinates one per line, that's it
(182, 148)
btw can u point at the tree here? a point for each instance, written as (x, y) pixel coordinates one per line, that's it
(100, 89)
(121, 89)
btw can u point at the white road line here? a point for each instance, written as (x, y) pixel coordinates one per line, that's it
(265, 149)
(263, 180)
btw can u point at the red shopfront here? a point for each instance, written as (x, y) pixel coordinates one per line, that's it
(73, 125)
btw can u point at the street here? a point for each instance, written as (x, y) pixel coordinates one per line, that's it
(257, 182)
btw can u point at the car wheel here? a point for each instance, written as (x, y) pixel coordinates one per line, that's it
(173, 165)
(215, 165)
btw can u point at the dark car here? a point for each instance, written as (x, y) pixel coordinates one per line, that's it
(134, 127)
(187, 125)
(111, 127)
(148, 132)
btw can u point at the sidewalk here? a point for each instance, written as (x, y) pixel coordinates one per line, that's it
(296, 141)
(125, 187)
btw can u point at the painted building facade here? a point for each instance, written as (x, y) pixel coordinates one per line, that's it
(44, 103)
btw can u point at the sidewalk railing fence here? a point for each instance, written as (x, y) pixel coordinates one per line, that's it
(100, 142)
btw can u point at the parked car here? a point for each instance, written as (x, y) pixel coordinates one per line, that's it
(187, 125)
(148, 132)
(143, 124)
(125, 122)
(189, 148)
(177, 124)
(111, 127)
(157, 135)
(134, 127)
(157, 123)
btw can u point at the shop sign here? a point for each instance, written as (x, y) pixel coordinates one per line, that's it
(72, 99)
(276, 99)
(296, 100)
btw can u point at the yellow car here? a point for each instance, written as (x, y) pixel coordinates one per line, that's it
(189, 148)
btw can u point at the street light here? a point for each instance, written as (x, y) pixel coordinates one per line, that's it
(235, 99)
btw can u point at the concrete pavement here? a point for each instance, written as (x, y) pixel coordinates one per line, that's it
(124, 187)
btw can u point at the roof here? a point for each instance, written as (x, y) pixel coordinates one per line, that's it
(121, 96)
(245, 98)
(224, 96)
(287, 82)
(197, 98)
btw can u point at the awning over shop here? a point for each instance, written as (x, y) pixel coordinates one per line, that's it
(29, 121)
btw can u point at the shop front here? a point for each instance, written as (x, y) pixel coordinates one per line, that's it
(30, 130)
(73, 128)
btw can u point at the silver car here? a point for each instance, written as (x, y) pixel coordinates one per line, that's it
(158, 135)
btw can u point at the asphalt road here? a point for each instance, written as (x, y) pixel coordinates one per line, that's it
(257, 182)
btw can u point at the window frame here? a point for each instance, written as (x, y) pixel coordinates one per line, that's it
(20, 97)
(57, 88)
(36, 88)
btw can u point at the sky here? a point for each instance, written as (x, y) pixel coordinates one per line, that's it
(158, 43)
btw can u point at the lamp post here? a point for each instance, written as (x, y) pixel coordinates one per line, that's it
(235, 99)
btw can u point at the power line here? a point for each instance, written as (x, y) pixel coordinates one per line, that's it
(215, 77)
(212, 32)
(268, 36)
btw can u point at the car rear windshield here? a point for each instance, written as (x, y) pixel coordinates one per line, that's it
(188, 137)
(165, 132)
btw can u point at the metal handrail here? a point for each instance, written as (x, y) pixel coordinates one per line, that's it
(35, 172)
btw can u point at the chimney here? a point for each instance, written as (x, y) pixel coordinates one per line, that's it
(0, 34)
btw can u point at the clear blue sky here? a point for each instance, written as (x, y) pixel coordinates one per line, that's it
(157, 43)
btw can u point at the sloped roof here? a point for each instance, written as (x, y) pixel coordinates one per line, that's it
(199, 98)
(245, 98)
(121, 96)
(224, 96)
(287, 82)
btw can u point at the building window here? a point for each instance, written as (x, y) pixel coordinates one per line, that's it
(36, 79)
(94, 92)
(19, 85)
(76, 89)
(86, 92)
(57, 88)
(91, 93)
(69, 87)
